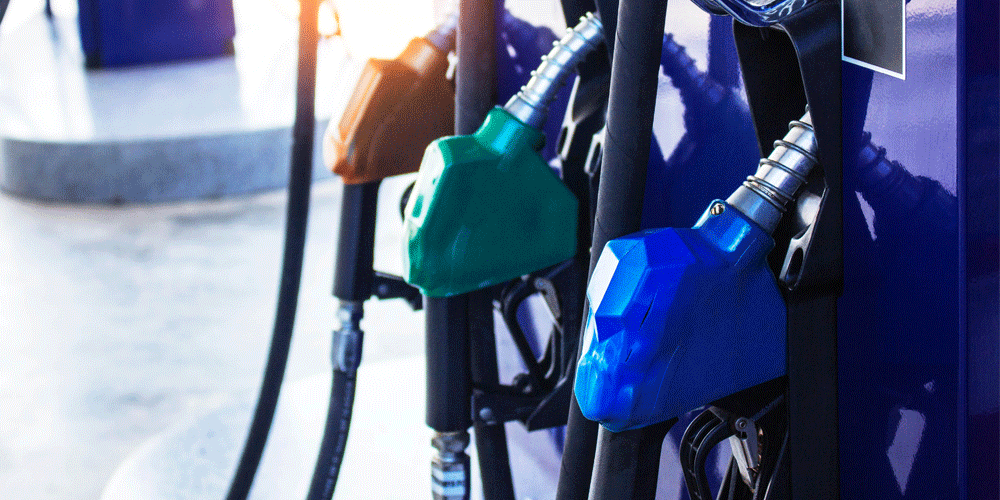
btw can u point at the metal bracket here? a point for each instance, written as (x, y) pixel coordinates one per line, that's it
(494, 408)
(387, 286)
(540, 397)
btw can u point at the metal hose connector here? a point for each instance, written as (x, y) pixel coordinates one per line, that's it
(779, 177)
(530, 105)
(443, 36)
(347, 340)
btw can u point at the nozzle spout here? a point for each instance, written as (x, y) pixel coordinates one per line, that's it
(530, 105)
(443, 36)
(764, 195)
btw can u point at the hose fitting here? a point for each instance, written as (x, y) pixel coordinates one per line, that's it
(450, 474)
(764, 195)
(347, 340)
(530, 105)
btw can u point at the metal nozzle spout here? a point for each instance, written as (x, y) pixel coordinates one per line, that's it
(530, 105)
(764, 195)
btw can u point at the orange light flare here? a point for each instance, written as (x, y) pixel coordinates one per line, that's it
(370, 28)
(378, 28)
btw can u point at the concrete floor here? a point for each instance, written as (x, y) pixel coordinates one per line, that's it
(136, 338)
(122, 322)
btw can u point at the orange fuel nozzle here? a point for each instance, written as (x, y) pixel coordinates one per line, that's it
(398, 107)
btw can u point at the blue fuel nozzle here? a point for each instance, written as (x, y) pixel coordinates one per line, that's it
(682, 317)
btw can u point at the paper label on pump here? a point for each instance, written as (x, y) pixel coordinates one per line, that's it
(873, 35)
(447, 483)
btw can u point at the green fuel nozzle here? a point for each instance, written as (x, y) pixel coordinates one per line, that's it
(486, 208)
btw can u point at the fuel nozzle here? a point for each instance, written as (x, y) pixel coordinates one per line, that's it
(683, 317)
(486, 207)
(398, 107)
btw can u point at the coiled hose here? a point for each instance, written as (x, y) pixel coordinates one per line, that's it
(299, 183)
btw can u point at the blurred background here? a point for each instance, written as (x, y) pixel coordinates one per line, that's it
(141, 225)
(134, 307)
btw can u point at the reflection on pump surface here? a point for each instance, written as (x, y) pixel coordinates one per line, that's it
(905, 445)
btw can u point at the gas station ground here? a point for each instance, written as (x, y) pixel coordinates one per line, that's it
(135, 339)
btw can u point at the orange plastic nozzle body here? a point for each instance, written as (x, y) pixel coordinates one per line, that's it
(398, 107)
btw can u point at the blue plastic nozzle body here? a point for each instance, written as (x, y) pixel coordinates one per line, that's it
(680, 318)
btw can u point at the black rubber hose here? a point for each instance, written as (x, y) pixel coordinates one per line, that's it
(353, 275)
(352, 285)
(628, 463)
(331, 451)
(631, 101)
(299, 183)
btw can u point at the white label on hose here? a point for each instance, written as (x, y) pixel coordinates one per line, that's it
(448, 483)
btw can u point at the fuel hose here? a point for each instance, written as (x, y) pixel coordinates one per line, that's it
(631, 101)
(353, 277)
(299, 183)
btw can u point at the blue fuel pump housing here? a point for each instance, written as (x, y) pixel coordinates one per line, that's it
(679, 318)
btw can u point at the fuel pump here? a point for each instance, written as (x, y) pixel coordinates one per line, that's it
(674, 314)
(486, 208)
(718, 131)
(410, 97)
(910, 215)
(783, 70)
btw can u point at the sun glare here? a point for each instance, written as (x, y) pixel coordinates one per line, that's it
(382, 28)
